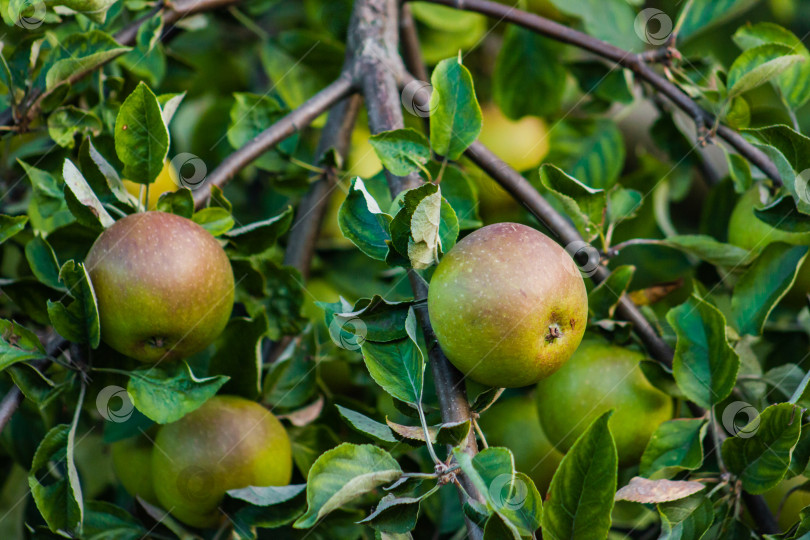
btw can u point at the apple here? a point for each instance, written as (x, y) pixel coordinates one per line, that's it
(227, 443)
(166, 182)
(132, 463)
(513, 423)
(599, 377)
(747, 231)
(164, 286)
(508, 305)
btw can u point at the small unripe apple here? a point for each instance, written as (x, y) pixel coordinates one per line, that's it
(227, 443)
(132, 462)
(508, 305)
(747, 231)
(786, 504)
(164, 286)
(600, 377)
(513, 423)
(166, 182)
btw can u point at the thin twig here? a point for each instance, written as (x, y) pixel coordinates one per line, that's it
(309, 215)
(627, 60)
(288, 125)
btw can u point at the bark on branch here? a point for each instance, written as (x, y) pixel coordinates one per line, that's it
(626, 59)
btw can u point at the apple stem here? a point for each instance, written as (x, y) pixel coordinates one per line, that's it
(478, 430)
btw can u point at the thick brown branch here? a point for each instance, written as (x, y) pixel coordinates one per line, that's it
(627, 60)
(379, 67)
(309, 215)
(293, 122)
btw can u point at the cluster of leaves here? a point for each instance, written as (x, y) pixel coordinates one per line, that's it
(348, 377)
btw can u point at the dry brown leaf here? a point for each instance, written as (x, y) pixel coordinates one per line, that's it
(643, 490)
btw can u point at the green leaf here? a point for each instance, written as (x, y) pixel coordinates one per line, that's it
(397, 366)
(103, 521)
(78, 321)
(141, 137)
(740, 171)
(241, 339)
(381, 320)
(603, 299)
(42, 260)
(95, 215)
(580, 498)
(292, 379)
(590, 151)
(64, 122)
(765, 283)
(686, 519)
(585, 205)
(78, 54)
(258, 237)
(102, 177)
(705, 365)
(166, 395)
(215, 220)
(95, 10)
(790, 150)
(11, 225)
(342, 474)
(710, 250)
(401, 151)
(363, 222)
(456, 118)
(705, 14)
(676, 445)
(622, 204)
(18, 344)
(267, 496)
(528, 60)
(60, 502)
(424, 226)
(794, 83)
(179, 202)
(395, 514)
(760, 453)
(378, 431)
(758, 65)
(782, 214)
(608, 20)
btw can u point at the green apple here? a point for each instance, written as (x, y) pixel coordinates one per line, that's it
(132, 463)
(599, 377)
(227, 443)
(164, 286)
(513, 423)
(747, 231)
(508, 305)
